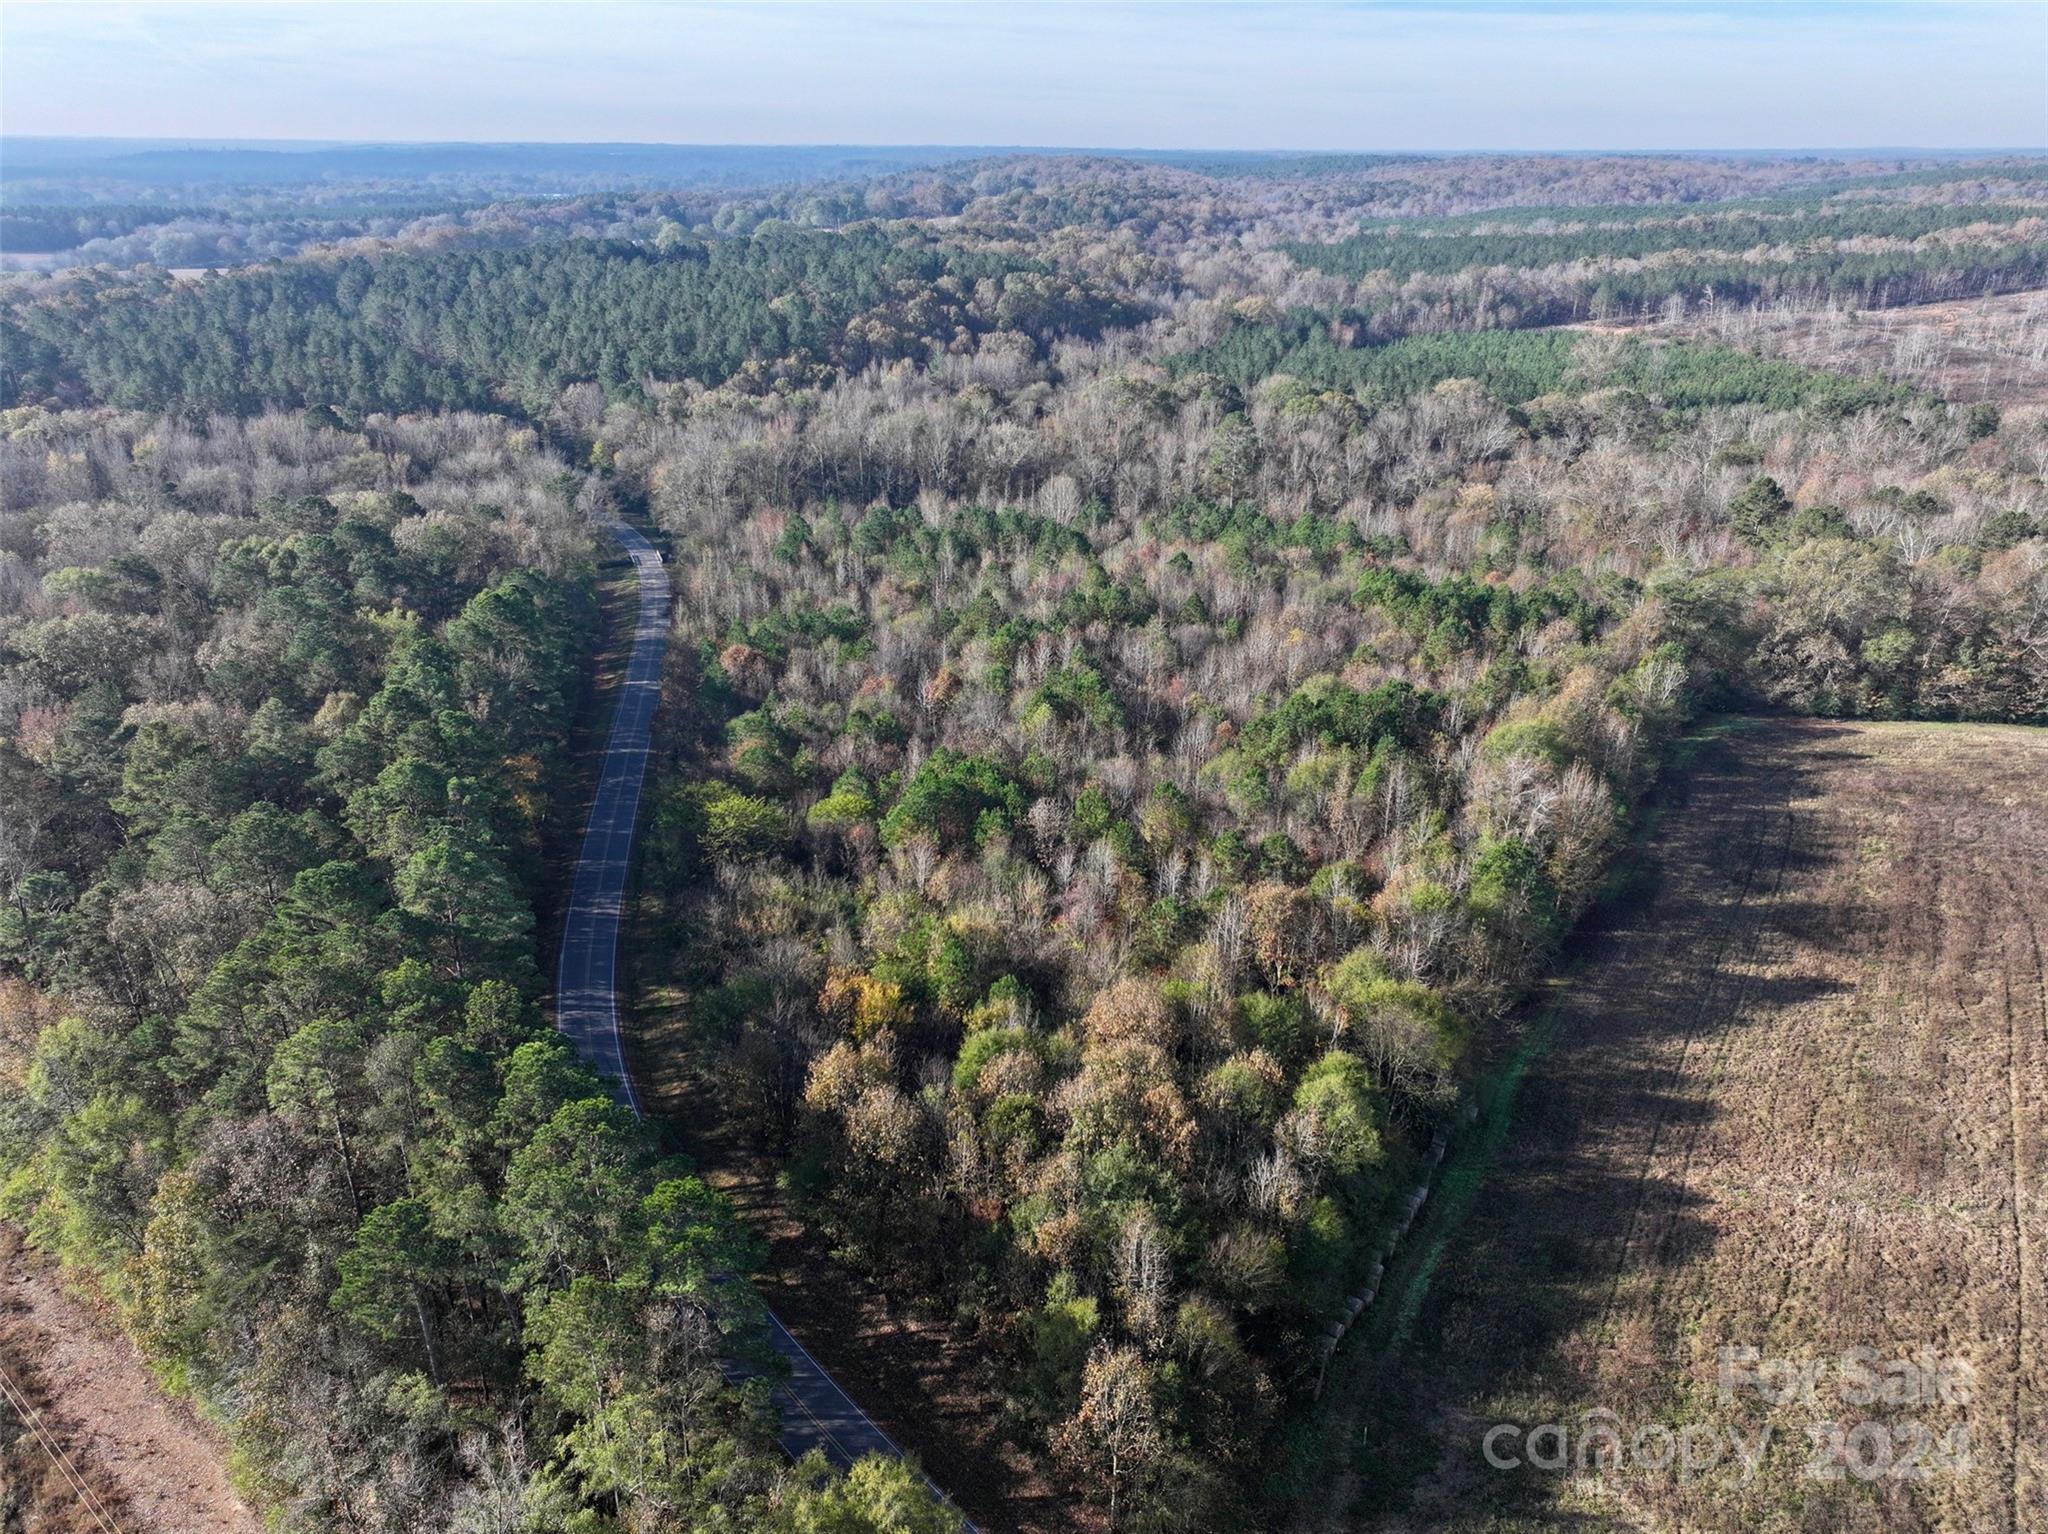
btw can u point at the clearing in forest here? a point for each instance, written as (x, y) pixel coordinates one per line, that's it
(1990, 350)
(107, 1452)
(1769, 1207)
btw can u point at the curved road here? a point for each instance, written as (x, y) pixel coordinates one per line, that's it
(816, 1412)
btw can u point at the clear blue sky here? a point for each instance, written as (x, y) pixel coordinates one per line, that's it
(1404, 74)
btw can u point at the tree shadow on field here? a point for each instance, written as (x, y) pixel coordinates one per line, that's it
(1523, 1317)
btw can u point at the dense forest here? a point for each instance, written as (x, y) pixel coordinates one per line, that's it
(1162, 659)
(1593, 234)
(461, 330)
(1517, 366)
(38, 229)
(278, 800)
(1120, 867)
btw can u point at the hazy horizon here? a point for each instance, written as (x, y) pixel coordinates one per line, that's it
(287, 145)
(1410, 76)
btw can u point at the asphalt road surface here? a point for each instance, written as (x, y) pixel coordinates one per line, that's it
(586, 980)
(816, 1412)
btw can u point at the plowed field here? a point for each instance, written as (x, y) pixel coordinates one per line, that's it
(1792, 1100)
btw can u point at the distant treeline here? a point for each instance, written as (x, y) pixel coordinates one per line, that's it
(1252, 162)
(1639, 232)
(1518, 366)
(509, 167)
(476, 329)
(2034, 170)
(40, 228)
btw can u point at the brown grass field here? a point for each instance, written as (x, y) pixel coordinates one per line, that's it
(1792, 1097)
(1992, 349)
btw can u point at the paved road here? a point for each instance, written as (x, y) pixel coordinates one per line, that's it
(586, 996)
(816, 1412)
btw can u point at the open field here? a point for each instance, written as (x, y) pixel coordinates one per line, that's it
(1992, 349)
(1793, 1099)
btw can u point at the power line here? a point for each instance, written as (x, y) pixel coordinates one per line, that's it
(17, 1398)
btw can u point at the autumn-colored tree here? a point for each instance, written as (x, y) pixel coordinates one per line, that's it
(1115, 1431)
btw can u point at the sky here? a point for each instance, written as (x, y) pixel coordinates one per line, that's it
(1365, 75)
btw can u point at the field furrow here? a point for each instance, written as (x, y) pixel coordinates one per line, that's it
(1772, 1206)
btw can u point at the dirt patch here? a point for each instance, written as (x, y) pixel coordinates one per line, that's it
(1795, 1101)
(146, 1463)
(48, 1485)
